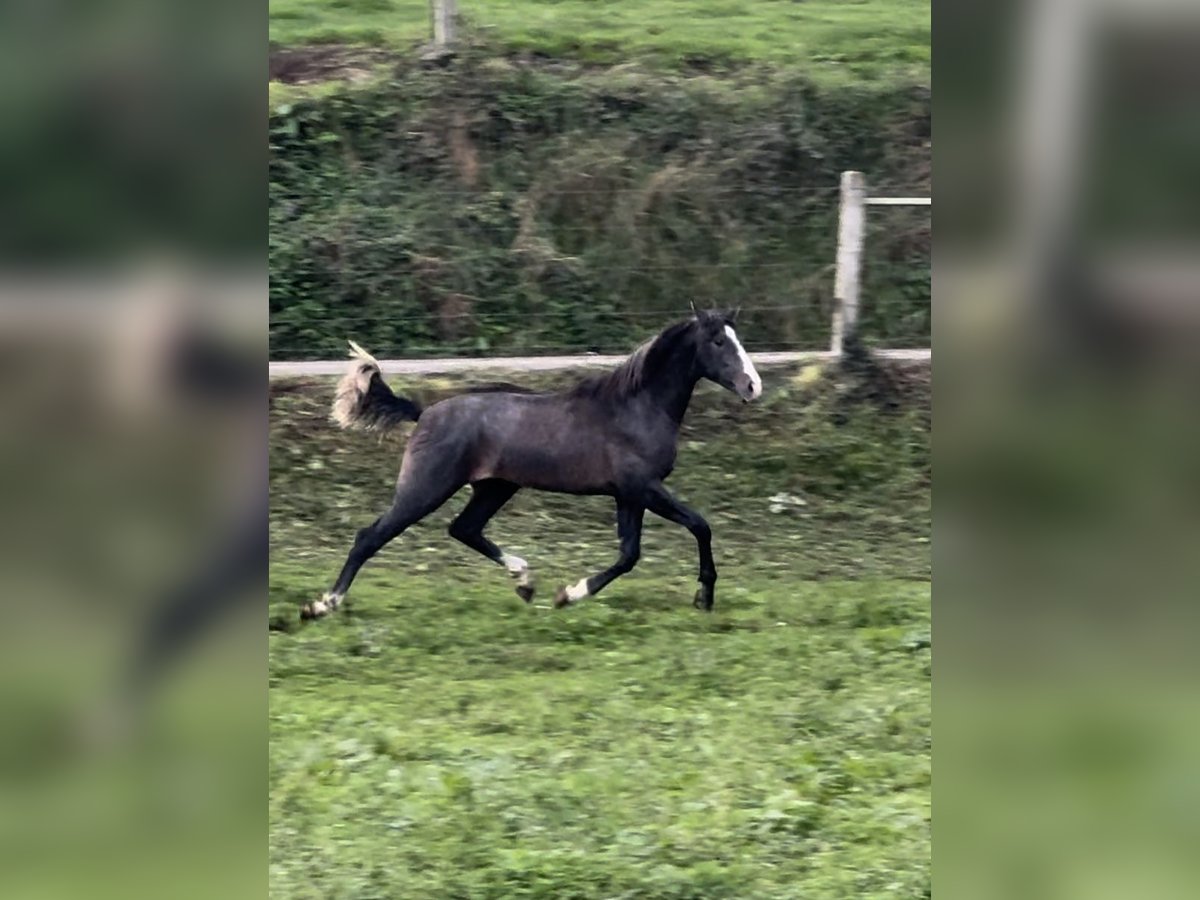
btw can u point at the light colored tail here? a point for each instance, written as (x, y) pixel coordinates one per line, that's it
(364, 402)
(357, 352)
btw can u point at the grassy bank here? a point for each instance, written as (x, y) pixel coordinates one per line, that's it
(441, 739)
(513, 207)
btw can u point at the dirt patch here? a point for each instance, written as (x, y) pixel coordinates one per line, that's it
(324, 62)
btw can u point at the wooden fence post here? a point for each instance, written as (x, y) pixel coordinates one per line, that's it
(445, 22)
(851, 229)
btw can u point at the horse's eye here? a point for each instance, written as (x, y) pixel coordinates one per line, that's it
(719, 340)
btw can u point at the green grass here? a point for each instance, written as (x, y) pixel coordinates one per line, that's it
(835, 40)
(438, 738)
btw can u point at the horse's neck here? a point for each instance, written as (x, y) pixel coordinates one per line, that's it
(672, 389)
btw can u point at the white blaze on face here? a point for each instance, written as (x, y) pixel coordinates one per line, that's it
(747, 365)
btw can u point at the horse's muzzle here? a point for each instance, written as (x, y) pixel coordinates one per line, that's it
(746, 388)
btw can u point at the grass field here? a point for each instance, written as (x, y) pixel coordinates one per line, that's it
(440, 739)
(868, 40)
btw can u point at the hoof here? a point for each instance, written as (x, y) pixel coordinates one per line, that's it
(322, 607)
(704, 598)
(525, 592)
(561, 599)
(313, 610)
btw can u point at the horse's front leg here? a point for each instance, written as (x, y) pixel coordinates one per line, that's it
(660, 502)
(629, 528)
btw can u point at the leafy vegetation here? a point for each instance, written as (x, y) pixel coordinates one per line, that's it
(440, 739)
(834, 42)
(497, 206)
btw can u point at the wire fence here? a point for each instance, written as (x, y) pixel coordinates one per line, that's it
(518, 291)
(449, 316)
(897, 277)
(784, 304)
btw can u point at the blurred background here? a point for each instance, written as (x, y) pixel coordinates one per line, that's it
(1067, 308)
(131, 321)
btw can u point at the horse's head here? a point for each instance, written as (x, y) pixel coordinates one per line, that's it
(721, 357)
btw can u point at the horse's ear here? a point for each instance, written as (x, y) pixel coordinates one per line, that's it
(695, 312)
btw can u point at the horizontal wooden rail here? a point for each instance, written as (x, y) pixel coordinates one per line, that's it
(316, 368)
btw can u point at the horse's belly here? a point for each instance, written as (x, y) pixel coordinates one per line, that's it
(553, 467)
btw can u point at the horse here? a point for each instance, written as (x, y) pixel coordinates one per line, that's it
(612, 434)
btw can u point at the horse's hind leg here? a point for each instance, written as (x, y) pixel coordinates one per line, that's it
(415, 499)
(487, 497)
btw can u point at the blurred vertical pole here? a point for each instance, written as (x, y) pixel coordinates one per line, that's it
(445, 15)
(1054, 73)
(851, 227)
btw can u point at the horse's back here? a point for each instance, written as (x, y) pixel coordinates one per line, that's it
(547, 441)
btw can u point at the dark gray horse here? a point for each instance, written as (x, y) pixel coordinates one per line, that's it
(611, 434)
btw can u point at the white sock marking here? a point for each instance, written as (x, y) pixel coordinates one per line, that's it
(517, 568)
(747, 364)
(332, 600)
(577, 591)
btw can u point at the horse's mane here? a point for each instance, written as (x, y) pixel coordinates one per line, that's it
(643, 365)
